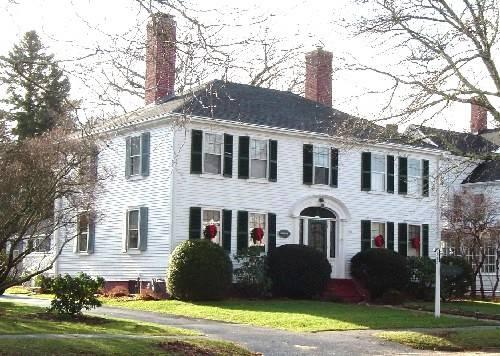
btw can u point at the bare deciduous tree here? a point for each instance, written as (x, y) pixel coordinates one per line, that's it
(471, 227)
(433, 53)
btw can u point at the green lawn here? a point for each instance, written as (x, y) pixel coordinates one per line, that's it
(298, 315)
(107, 336)
(458, 340)
(491, 309)
(115, 346)
(23, 319)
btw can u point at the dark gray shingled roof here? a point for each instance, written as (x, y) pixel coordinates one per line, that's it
(460, 143)
(487, 171)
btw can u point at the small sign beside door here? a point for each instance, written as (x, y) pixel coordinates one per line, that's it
(284, 234)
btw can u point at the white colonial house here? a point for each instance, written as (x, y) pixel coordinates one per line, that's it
(248, 160)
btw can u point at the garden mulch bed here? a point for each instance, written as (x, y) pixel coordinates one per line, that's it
(187, 349)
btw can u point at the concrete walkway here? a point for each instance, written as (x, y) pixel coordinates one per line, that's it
(264, 340)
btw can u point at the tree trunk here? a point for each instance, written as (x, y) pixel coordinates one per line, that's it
(497, 275)
(481, 285)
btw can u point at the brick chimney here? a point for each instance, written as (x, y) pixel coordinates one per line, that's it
(160, 58)
(318, 86)
(478, 117)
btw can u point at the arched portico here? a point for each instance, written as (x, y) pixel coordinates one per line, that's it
(319, 222)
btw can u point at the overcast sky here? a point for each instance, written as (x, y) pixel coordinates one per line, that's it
(72, 28)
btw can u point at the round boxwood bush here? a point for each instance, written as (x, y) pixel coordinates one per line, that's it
(298, 271)
(457, 277)
(380, 270)
(199, 270)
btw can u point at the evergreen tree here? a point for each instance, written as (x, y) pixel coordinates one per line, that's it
(37, 89)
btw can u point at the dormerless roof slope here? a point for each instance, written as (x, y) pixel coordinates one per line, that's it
(487, 171)
(261, 106)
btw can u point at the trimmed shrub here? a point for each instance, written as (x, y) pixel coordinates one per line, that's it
(456, 277)
(379, 270)
(44, 283)
(298, 271)
(422, 277)
(252, 280)
(72, 294)
(199, 270)
(149, 294)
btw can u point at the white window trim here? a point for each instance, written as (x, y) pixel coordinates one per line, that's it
(203, 151)
(250, 159)
(372, 241)
(140, 156)
(265, 230)
(220, 222)
(329, 150)
(138, 209)
(78, 236)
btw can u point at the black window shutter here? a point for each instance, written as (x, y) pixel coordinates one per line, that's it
(91, 243)
(390, 174)
(143, 217)
(127, 157)
(366, 241)
(227, 216)
(307, 173)
(145, 144)
(366, 171)
(334, 167)
(403, 238)
(273, 160)
(194, 223)
(242, 231)
(425, 178)
(403, 175)
(243, 157)
(228, 156)
(271, 233)
(425, 240)
(196, 151)
(390, 236)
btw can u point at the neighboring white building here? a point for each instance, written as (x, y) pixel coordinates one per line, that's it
(242, 158)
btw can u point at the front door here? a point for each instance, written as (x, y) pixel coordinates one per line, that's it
(318, 235)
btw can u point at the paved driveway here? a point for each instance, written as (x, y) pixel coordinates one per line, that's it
(264, 340)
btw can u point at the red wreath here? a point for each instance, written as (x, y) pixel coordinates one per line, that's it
(379, 241)
(257, 234)
(415, 243)
(210, 232)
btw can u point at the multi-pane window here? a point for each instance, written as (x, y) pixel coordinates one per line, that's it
(213, 153)
(133, 229)
(378, 173)
(83, 233)
(321, 159)
(211, 218)
(42, 244)
(258, 158)
(135, 155)
(257, 229)
(414, 177)
(489, 263)
(414, 240)
(378, 235)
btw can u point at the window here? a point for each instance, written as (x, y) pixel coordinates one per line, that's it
(321, 157)
(133, 229)
(256, 237)
(258, 158)
(212, 217)
(414, 240)
(414, 177)
(135, 155)
(489, 265)
(378, 173)
(213, 153)
(378, 229)
(83, 233)
(42, 244)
